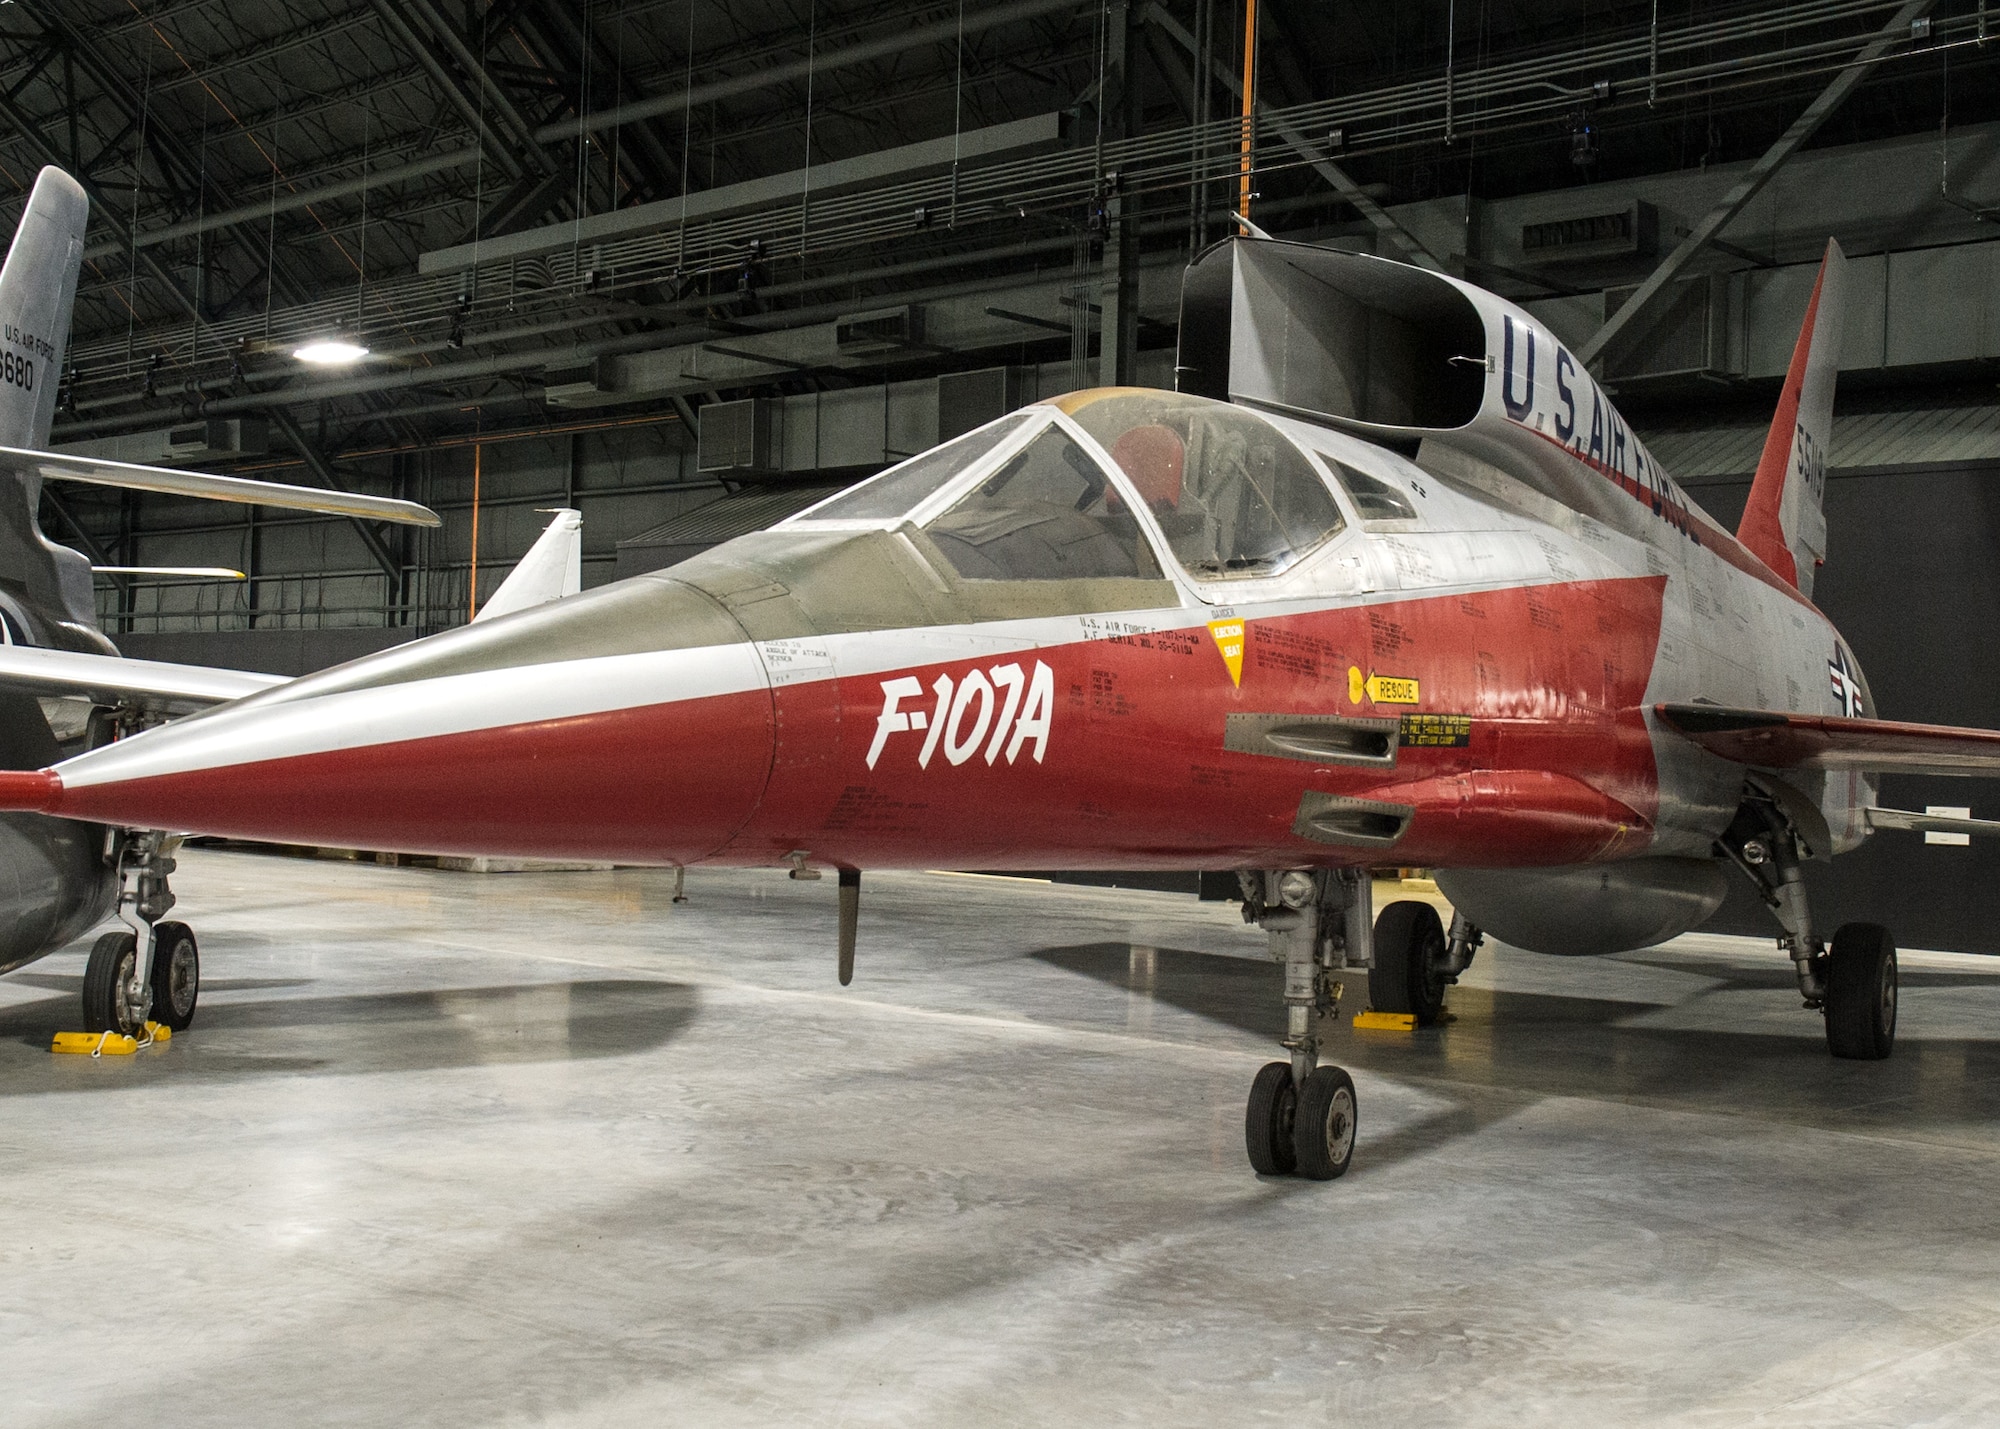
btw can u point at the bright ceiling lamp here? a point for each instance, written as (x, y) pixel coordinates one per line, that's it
(329, 352)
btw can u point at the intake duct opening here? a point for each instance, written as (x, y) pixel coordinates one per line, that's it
(1341, 336)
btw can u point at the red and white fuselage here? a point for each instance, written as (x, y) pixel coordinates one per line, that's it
(1120, 630)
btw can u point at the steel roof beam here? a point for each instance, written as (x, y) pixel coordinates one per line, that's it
(284, 203)
(515, 123)
(846, 56)
(465, 102)
(1753, 181)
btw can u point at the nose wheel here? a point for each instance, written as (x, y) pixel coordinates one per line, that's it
(1300, 1117)
(1323, 1125)
(1269, 1119)
(176, 975)
(108, 1005)
(1308, 1129)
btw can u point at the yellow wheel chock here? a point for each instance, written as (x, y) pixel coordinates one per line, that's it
(1373, 1021)
(109, 1044)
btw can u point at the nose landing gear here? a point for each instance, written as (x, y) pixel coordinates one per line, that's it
(1301, 1116)
(150, 970)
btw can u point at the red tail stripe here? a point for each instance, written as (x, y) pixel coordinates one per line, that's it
(1761, 530)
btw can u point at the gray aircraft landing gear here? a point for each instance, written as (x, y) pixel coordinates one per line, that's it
(1416, 959)
(1861, 992)
(1852, 983)
(149, 970)
(1301, 1115)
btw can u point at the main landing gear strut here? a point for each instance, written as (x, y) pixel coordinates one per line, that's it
(1301, 1115)
(1851, 983)
(150, 970)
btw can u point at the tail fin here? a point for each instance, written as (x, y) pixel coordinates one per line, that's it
(1784, 525)
(47, 588)
(37, 290)
(552, 569)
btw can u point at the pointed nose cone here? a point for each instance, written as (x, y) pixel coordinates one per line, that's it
(633, 723)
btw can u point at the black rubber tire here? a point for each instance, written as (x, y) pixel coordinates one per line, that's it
(176, 975)
(1409, 953)
(1861, 993)
(104, 1006)
(1267, 1120)
(1323, 1127)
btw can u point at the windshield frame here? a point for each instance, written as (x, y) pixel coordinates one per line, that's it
(946, 493)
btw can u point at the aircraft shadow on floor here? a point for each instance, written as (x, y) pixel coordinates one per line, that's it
(375, 1032)
(1546, 1044)
(1735, 977)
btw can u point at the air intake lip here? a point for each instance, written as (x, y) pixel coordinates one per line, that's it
(1335, 819)
(1315, 739)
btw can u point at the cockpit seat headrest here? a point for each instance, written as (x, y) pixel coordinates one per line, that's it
(1155, 458)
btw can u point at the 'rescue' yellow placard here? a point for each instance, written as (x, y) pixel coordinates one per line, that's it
(1382, 689)
(1229, 640)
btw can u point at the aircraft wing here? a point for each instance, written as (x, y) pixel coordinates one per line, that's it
(1916, 823)
(63, 466)
(152, 685)
(1772, 739)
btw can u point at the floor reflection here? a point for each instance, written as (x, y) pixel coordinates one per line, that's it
(1707, 1058)
(374, 1032)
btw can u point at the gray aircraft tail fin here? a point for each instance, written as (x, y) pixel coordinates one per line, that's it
(46, 596)
(37, 291)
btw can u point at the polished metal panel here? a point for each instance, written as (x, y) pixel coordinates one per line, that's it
(1591, 908)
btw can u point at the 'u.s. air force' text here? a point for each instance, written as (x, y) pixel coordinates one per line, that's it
(17, 369)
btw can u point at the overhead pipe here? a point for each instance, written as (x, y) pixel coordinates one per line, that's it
(673, 102)
(302, 198)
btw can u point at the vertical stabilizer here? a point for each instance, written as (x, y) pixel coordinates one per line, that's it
(1784, 524)
(37, 291)
(47, 587)
(552, 569)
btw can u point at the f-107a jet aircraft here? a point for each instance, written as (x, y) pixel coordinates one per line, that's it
(1387, 581)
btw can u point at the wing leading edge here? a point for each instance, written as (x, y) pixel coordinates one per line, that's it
(152, 685)
(1773, 739)
(97, 471)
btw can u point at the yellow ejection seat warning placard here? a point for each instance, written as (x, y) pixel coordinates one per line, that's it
(1229, 640)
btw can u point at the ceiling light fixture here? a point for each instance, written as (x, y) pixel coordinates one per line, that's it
(329, 352)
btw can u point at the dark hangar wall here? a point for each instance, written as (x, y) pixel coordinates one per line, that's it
(1912, 579)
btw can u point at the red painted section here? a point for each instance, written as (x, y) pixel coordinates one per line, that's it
(1546, 760)
(34, 790)
(1135, 775)
(1487, 819)
(1761, 532)
(655, 784)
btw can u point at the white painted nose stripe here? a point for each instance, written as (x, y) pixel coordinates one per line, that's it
(421, 709)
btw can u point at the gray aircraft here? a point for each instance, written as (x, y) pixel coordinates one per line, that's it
(61, 877)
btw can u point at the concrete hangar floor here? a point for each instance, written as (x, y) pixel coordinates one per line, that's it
(545, 1148)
